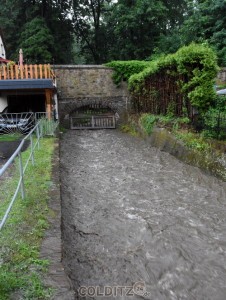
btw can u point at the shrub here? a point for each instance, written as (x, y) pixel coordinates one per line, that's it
(183, 82)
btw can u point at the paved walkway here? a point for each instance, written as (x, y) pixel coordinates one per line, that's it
(51, 247)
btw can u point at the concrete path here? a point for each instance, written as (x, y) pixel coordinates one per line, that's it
(51, 248)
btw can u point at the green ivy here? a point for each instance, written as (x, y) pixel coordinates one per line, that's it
(124, 69)
(192, 70)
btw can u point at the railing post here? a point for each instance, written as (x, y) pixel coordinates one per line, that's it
(38, 136)
(41, 129)
(21, 176)
(32, 150)
(113, 121)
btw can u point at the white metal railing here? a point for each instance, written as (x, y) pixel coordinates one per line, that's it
(23, 122)
(40, 132)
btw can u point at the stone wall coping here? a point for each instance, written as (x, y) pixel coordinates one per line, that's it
(81, 67)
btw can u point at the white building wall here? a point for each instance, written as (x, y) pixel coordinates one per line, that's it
(2, 48)
(3, 102)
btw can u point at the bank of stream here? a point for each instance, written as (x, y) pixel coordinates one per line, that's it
(211, 161)
(132, 213)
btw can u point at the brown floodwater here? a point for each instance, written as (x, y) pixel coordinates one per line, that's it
(131, 213)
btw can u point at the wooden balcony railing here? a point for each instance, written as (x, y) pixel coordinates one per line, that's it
(12, 72)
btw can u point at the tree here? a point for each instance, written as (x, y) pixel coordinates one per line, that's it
(90, 28)
(170, 40)
(56, 14)
(136, 24)
(14, 14)
(10, 23)
(207, 23)
(36, 41)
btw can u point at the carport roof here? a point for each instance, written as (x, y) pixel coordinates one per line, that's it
(23, 84)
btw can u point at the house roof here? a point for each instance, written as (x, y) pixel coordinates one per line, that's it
(26, 84)
(3, 60)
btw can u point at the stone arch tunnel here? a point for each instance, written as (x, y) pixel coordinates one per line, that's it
(87, 85)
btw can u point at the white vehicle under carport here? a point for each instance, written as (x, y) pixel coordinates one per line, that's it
(221, 92)
(21, 122)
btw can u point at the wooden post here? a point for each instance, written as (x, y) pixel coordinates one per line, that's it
(36, 71)
(48, 94)
(11, 72)
(48, 70)
(16, 71)
(26, 71)
(4, 72)
(45, 71)
(21, 72)
(31, 71)
(40, 71)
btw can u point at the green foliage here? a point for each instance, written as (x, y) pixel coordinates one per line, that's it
(196, 63)
(193, 141)
(136, 27)
(129, 128)
(16, 21)
(215, 120)
(125, 29)
(91, 30)
(36, 41)
(48, 126)
(21, 268)
(11, 137)
(117, 30)
(124, 69)
(206, 22)
(149, 121)
(191, 72)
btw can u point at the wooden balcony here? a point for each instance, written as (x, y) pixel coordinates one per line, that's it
(12, 72)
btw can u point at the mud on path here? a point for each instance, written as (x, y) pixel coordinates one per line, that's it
(132, 213)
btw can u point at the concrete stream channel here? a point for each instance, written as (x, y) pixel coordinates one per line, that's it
(132, 214)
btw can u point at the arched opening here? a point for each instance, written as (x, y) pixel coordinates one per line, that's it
(92, 109)
(92, 116)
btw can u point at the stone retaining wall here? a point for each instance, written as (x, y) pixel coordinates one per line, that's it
(80, 85)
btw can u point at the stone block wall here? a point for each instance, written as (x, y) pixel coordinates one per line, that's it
(80, 85)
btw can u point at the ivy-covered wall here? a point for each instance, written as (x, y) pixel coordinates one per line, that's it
(180, 84)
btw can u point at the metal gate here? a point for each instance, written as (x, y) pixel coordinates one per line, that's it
(93, 122)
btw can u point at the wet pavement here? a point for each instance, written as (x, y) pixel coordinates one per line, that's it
(131, 213)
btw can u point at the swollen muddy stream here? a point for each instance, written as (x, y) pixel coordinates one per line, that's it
(131, 213)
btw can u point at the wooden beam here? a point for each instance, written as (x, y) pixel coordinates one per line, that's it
(48, 95)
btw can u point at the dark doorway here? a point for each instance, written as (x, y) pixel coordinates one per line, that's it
(26, 103)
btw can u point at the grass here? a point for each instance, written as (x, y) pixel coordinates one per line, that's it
(129, 128)
(193, 140)
(21, 270)
(148, 121)
(10, 137)
(180, 128)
